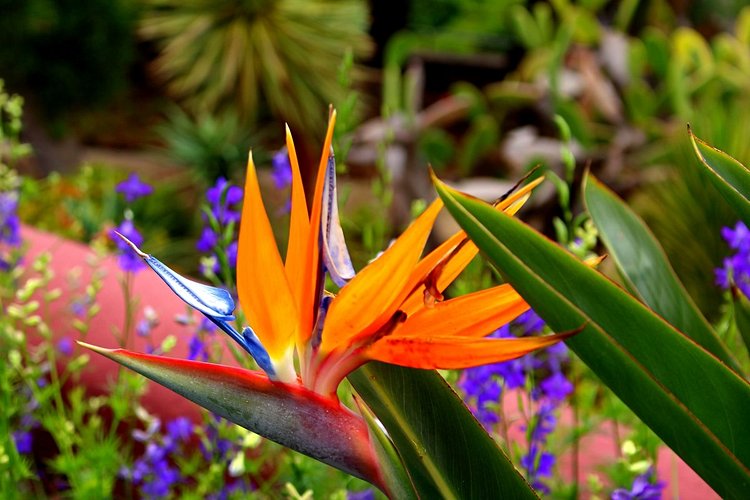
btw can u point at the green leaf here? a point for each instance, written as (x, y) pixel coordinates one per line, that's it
(645, 268)
(445, 450)
(730, 177)
(287, 414)
(698, 406)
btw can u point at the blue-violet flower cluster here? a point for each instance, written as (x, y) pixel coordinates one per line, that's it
(644, 487)
(10, 228)
(132, 189)
(735, 270)
(220, 217)
(484, 385)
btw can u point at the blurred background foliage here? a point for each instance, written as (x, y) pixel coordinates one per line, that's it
(471, 87)
(255, 57)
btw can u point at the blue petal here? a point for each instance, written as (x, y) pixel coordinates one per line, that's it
(335, 254)
(257, 351)
(317, 336)
(213, 302)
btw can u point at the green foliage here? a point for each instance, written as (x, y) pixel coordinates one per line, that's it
(646, 270)
(432, 429)
(81, 206)
(221, 54)
(212, 146)
(69, 54)
(730, 177)
(690, 399)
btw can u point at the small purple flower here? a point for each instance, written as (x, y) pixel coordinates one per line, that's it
(360, 495)
(232, 254)
(737, 238)
(530, 322)
(207, 241)
(281, 170)
(65, 346)
(556, 387)
(134, 188)
(180, 429)
(10, 224)
(735, 270)
(643, 488)
(23, 441)
(129, 261)
(221, 197)
(197, 349)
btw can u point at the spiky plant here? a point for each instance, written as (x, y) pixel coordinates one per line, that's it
(246, 54)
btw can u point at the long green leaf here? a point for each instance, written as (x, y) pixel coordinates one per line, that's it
(730, 177)
(446, 451)
(644, 266)
(698, 406)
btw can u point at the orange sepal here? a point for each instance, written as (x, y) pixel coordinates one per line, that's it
(454, 353)
(312, 274)
(473, 315)
(299, 228)
(457, 259)
(262, 283)
(369, 300)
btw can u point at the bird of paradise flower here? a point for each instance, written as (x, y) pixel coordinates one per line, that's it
(392, 311)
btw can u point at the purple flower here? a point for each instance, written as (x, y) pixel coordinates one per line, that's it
(232, 254)
(537, 462)
(735, 270)
(643, 488)
(281, 170)
(129, 261)
(10, 225)
(221, 197)
(23, 441)
(10, 228)
(133, 188)
(530, 322)
(737, 238)
(65, 346)
(197, 348)
(208, 240)
(180, 429)
(556, 387)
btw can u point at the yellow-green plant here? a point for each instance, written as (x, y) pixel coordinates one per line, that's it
(219, 53)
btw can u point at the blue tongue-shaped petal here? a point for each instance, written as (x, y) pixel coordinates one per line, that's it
(214, 302)
(335, 254)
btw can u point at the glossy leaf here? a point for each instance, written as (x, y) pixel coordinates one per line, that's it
(698, 406)
(730, 177)
(645, 268)
(287, 414)
(445, 450)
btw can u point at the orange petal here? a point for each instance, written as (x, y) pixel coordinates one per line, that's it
(473, 315)
(370, 299)
(299, 227)
(460, 259)
(261, 280)
(312, 285)
(453, 353)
